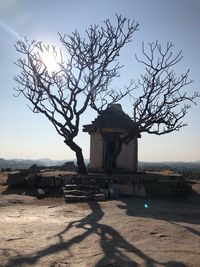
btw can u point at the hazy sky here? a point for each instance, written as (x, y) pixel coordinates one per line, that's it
(24, 134)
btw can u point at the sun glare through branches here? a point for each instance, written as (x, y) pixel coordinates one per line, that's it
(50, 60)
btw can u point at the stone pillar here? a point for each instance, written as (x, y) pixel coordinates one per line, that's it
(96, 150)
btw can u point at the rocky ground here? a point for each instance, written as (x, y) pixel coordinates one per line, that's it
(126, 232)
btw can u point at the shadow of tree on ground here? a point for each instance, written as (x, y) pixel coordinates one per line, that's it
(176, 211)
(114, 246)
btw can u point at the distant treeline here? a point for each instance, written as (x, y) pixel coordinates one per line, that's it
(187, 169)
(15, 164)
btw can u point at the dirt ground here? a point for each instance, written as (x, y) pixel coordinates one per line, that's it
(126, 232)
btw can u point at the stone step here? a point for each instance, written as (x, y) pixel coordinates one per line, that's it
(85, 197)
(72, 198)
(80, 186)
(89, 180)
(99, 197)
(76, 192)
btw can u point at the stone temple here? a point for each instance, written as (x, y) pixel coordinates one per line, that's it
(107, 151)
(113, 167)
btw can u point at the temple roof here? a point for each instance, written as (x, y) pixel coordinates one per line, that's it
(112, 117)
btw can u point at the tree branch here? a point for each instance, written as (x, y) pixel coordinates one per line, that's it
(163, 103)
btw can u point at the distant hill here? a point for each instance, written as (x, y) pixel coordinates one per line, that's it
(187, 169)
(176, 165)
(15, 164)
(26, 163)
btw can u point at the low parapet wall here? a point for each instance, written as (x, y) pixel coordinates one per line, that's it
(141, 184)
(137, 184)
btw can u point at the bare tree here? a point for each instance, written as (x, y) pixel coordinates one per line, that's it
(83, 78)
(163, 102)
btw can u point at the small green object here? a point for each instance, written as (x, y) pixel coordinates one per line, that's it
(146, 206)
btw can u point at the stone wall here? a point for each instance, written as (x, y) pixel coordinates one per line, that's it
(96, 150)
(111, 186)
(127, 159)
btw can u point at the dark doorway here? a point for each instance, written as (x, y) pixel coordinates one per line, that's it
(110, 151)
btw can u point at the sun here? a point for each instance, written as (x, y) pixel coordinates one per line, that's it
(50, 61)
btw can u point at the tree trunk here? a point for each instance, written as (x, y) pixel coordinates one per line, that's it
(80, 162)
(79, 156)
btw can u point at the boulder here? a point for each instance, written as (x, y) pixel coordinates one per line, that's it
(40, 193)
